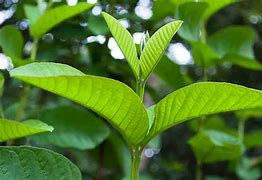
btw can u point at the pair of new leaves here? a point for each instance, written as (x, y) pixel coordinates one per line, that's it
(119, 104)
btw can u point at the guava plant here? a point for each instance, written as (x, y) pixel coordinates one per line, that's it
(123, 107)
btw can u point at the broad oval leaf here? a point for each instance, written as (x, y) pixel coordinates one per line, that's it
(156, 46)
(109, 98)
(202, 99)
(233, 40)
(31, 163)
(13, 129)
(124, 41)
(55, 16)
(211, 146)
(11, 41)
(73, 128)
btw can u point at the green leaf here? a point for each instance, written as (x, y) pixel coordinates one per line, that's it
(30, 163)
(206, 57)
(218, 146)
(74, 128)
(155, 47)
(192, 14)
(13, 129)
(109, 98)
(201, 99)
(124, 41)
(32, 13)
(55, 16)
(97, 25)
(250, 113)
(233, 40)
(214, 6)
(203, 55)
(253, 139)
(242, 61)
(11, 41)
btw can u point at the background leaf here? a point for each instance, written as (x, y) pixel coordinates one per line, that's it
(253, 139)
(210, 146)
(55, 16)
(74, 128)
(30, 163)
(109, 98)
(233, 40)
(192, 15)
(11, 41)
(12, 129)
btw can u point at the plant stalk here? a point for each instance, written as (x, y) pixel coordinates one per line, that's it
(26, 90)
(241, 129)
(136, 158)
(140, 89)
(199, 173)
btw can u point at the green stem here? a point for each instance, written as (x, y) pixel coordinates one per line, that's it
(140, 89)
(199, 173)
(1, 110)
(26, 90)
(241, 129)
(136, 158)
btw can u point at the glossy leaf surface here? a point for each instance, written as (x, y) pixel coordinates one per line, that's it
(124, 41)
(109, 98)
(31, 163)
(156, 46)
(13, 129)
(202, 99)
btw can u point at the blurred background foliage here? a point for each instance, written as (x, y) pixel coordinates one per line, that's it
(219, 41)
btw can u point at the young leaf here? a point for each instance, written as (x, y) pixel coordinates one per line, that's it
(55, 16)
(30, 163)
(11, 41)
(218, 146)
(124, 41)
(233, 40)
(202, 99)
(109, 98)
(155, 47)
(192, 14)
(13, 129)
(74, 128)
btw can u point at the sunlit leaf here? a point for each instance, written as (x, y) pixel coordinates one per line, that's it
(124, 41)
(55, 16)
(201, 99)
(31, 163)
(72, 128)
(211, 146)
(11, 41)
(13, 129)
(156, 46)
(109, 98)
